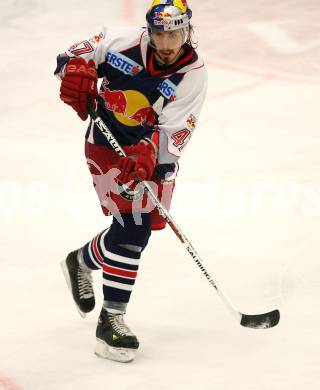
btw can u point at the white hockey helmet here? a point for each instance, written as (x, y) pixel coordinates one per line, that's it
(169, 15)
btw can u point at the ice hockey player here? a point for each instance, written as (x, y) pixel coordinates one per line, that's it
(152, 89)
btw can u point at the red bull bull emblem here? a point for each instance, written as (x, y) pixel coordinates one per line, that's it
(130, 107)
(115, 101)
(163, 15)
(145, 116)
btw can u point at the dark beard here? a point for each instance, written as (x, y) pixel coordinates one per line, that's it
(165, 63)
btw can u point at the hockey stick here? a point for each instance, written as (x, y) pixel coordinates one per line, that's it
(256, 321)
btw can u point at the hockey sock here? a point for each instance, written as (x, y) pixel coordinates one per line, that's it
(123, 246)
(92, 252)
(115, 307)
(119, 274)
(117, 251)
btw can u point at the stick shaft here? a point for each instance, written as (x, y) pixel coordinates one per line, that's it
(164, 212)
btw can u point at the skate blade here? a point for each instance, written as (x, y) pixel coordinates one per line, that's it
(122, 355)
(67, 278)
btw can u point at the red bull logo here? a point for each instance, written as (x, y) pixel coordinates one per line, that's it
(145, 116)
(191, 122)
(163, 15)
(130, 107)
(96, 38)
(115, 101)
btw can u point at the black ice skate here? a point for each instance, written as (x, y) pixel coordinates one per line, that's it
(79, 281)
(115, 340)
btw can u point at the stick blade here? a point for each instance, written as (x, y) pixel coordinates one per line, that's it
(260, 321)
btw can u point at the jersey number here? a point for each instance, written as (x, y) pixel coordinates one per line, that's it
(180, 138)
(81, 48)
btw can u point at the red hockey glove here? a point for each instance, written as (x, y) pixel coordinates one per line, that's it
(139, 163)
(79, 85)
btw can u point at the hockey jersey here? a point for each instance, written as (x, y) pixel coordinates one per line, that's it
(136, 97)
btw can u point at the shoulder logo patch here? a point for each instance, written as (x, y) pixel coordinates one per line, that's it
(124, 64)
(168, 89)
(191, 122)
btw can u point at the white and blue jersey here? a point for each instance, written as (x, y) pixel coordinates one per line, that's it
(136, 97)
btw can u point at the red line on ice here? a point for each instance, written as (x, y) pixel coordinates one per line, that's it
(7, 383)
(240, 89)
(262, 73)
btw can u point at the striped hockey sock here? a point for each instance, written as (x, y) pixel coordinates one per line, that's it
(93, 252)
(119, 273)
(120, 266)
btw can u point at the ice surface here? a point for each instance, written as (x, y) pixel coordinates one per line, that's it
(248, 197)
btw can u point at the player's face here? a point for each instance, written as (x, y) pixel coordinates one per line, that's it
(167, 44)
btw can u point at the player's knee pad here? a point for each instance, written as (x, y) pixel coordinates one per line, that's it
(130, 231)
